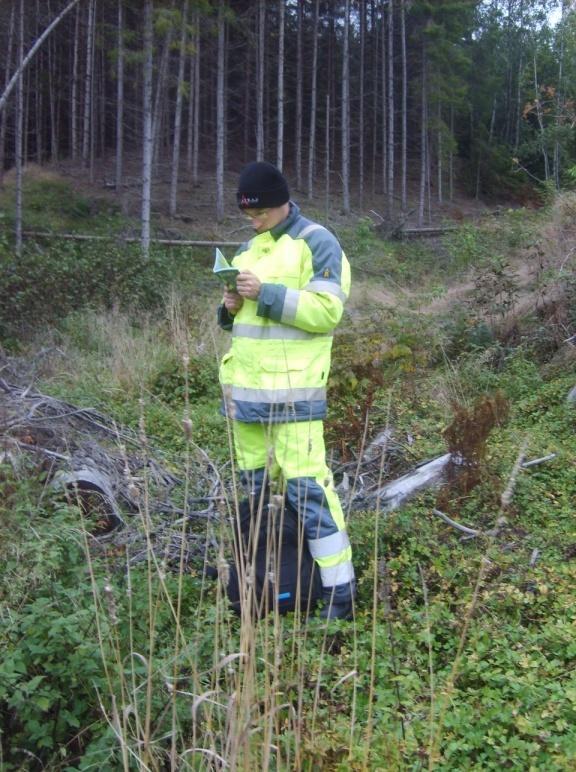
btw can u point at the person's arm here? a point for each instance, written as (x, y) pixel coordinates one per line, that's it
(318, 306)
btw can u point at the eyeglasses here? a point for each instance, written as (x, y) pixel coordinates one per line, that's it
(255, 214)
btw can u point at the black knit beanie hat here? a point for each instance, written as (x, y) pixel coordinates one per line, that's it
(261, 185)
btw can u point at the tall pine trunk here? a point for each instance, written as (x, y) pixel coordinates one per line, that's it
(390, 139)
(345, 112)
(220, 116)
(120, 97)
(178, 114)
(88, 86)
(404, 106)
(4, 115)
(361, 138)
(280, 112)
(147, 138)
(260, 81)
(18, 138)
(313, 98)
(299, 96)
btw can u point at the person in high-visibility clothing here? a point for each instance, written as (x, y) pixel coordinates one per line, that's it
(294, 279)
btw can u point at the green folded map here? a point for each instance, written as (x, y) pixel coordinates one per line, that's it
(225, 272)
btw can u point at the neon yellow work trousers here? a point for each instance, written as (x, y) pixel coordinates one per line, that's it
(294, 455)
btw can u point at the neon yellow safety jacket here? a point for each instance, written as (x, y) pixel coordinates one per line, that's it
(277, 367)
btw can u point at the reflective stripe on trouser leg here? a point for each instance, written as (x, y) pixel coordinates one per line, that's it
(300, 454)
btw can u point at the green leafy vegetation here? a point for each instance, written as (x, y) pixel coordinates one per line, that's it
(461, 654)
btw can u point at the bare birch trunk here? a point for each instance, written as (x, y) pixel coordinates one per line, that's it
(220, 117)
(260, 81)
(345, 133)
(120, 97)
(147, 138)
(280, 132)
(178, 114)
(299, 88)
(313, 97)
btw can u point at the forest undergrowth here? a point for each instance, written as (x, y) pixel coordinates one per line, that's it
(462, 651)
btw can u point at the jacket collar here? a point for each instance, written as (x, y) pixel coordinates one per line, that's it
(282, 227)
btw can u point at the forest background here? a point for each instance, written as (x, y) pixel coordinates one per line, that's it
(123, 126)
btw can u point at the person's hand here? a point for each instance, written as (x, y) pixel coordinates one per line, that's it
(232, 301)
(248, 285)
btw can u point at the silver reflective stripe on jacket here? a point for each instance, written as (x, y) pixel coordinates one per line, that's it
(328, 545)
(275, 332)
(326, 286)
(314, 226)
(343, 573)
(275, 396)
(290, 305)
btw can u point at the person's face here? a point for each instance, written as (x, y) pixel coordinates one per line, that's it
(265, 219)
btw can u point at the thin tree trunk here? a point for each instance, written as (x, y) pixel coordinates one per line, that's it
(440, 169)
(74, 92)
(220, 117)
(147, 138)
(423, 143)
(404, 107)
(362, 12)
(299, 89)
(313, 97)
(160, 98)
(280, 132)
(346, 112)
(26, 60)
(19, 139)
(88, 89)
(52, 65)
(375, 91)
(539, 115)
(559, 100)
(260, 81)
(38, 102)
(390, 154)
(120, 97)
(451, 157)
(385, 117)
(4, 116)
(327, 160)
(519, 80)
(178, 114)
(196, 147)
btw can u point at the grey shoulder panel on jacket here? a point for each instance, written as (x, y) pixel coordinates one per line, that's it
(324, 246)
